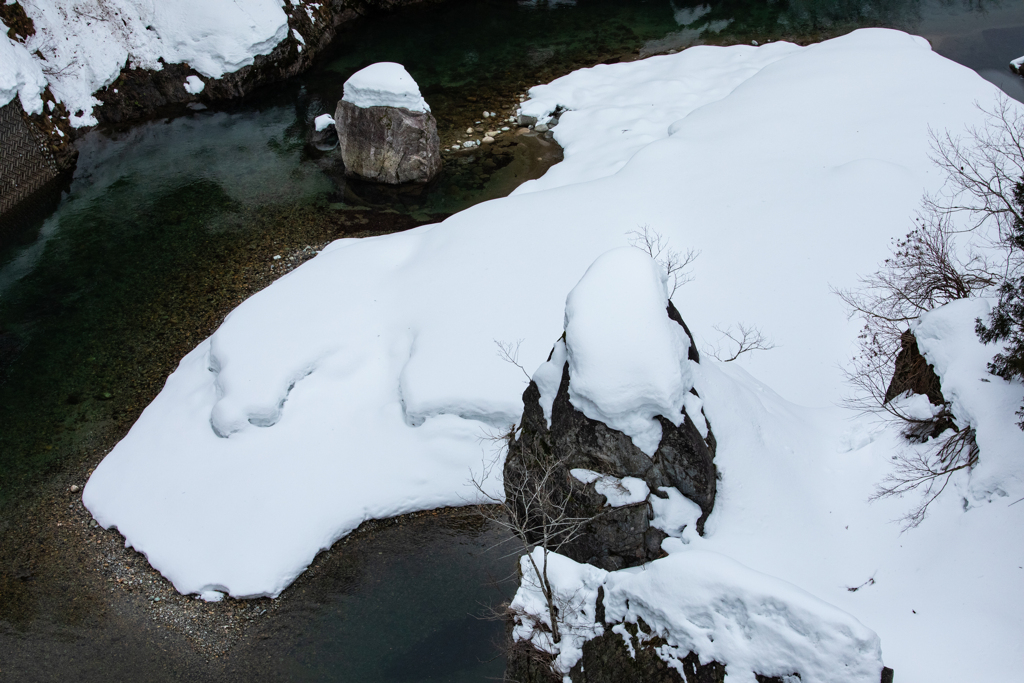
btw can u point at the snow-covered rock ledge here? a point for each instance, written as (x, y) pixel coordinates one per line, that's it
(115, 60)
(360, 385)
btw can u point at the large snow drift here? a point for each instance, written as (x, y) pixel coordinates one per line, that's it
(85, 44)
(360, 384)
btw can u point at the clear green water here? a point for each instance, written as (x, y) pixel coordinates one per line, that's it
(171, 224)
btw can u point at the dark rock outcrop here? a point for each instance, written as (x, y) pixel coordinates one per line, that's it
(615, 537)
(391, 145)
(913, 373)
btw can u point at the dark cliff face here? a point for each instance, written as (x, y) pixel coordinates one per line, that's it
(615, 537)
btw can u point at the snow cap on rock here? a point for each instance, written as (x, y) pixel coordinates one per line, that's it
(384, 84)
(627, 358)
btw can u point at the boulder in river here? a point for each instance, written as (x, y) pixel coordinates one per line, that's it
(386, 132)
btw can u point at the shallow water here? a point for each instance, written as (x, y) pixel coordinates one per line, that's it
(170, 224)
(407, 602)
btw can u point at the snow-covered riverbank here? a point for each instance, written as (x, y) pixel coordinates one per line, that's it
(215, 37)
(362, 384)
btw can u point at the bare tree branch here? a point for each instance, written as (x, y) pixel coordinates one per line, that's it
(675, 264)
(509, 352)
(746, 338)
(929, 471)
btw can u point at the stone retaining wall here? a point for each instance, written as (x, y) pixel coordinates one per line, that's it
(26, 165)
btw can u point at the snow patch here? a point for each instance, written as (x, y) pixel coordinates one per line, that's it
(21, 75)
(194, 85)
(548, 378)
(977, 398)
(676, 514)
(574, 587)
(323, 122)
(617, 491)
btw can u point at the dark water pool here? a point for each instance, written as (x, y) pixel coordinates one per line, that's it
(170, 224)
(404, 603)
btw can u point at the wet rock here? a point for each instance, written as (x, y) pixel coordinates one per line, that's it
(527, 120)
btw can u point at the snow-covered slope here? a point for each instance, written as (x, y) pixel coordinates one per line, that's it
(360, 384)
(85, 44)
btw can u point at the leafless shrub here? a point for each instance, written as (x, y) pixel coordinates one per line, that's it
(983, 169)
(537, 511)
(924, 271)
(928, 269)
(675, 264)
(746, 338)
(928, 470)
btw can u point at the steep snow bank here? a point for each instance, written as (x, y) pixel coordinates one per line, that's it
(84, 45)
(20, 75)
(360, 384)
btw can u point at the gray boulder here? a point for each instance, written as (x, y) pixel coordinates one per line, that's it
(386, 132)
(388, 144)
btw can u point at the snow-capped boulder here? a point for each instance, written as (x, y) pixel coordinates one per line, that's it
(615, 403)
(385, 129)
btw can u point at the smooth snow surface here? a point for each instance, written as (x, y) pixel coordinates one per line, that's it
(384, 84)
(85, 43)
(360, 384)
(627, 358)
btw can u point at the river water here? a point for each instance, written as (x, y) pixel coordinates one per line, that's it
(171, 223)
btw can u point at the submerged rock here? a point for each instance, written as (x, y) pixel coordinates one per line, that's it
(386, 132)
